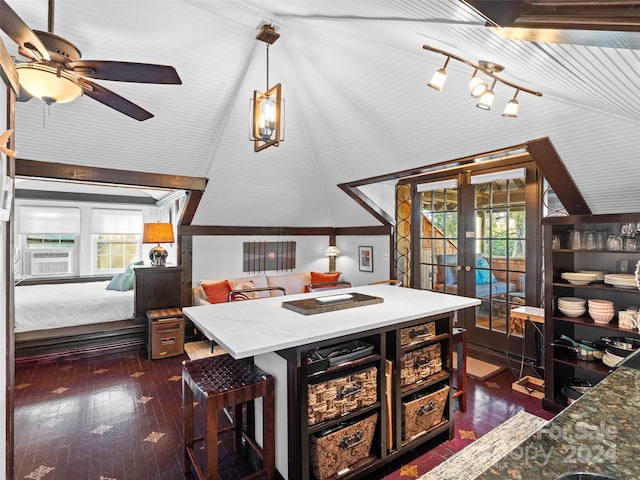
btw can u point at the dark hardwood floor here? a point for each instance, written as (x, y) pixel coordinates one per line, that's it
(119, 417)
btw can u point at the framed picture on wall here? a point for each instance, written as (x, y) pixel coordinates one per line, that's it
(365, 259)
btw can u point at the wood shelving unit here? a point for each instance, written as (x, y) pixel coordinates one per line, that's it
(560, 365)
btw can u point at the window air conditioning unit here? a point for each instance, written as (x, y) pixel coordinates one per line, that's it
(49, 263)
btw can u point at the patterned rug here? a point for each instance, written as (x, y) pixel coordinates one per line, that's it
(474, 459)
(202, 349)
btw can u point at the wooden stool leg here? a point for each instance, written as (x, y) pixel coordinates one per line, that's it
(211, 438)
(268, 431)
(187, 409)
(462, 371)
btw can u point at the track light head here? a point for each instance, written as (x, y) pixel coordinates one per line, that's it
(438, 79)
(512, 107)
(486, 100)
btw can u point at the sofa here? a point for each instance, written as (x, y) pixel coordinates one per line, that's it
(259, 286)
(486, 282)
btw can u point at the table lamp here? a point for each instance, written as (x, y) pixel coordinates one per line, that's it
(158, 233)
(332, 252)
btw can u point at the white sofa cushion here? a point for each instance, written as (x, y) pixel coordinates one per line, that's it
(291, 282)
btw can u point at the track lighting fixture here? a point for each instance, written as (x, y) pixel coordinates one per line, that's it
(477, 86)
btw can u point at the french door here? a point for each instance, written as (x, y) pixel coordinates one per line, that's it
(478, 236)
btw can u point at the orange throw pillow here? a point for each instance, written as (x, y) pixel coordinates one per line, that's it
(319, 277)
(216, 292)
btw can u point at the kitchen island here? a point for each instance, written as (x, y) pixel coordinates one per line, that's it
(597, 434)
(282, 342)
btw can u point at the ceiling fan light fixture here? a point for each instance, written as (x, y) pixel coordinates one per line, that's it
(50, 84)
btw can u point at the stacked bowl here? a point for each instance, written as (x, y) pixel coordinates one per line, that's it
(572, 306)
(601, 311)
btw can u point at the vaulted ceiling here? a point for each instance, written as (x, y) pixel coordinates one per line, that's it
(354, 77)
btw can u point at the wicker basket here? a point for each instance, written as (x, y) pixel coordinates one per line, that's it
(421, 414)
(334, 452)
(417, 333)
(341, 395)
(420, 364)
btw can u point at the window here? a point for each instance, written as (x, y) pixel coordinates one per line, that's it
(50, 241)
(115, 252)
(117, 235)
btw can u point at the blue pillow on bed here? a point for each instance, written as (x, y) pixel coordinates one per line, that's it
(483, 277)
(129, 268)
(121, 282)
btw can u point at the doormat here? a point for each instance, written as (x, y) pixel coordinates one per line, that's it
(202, 349)
(478, 369)
(477, 457)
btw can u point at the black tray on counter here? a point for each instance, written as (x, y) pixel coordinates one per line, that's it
(311, 306)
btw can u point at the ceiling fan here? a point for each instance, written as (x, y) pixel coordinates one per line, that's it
(55, 73)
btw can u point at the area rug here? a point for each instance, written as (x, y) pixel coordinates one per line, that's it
(202, 349)
(478, 369)
(478, 456)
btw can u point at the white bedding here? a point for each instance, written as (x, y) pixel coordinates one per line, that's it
(41, 307)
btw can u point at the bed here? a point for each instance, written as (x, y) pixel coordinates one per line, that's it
(54, 320)
(41, 307)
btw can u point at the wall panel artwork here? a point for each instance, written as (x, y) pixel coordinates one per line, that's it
(264, 256)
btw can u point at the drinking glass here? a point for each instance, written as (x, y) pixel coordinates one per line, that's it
(555, 242)
(589, 240)
(574, 240)
(601, 239)
(614, 242)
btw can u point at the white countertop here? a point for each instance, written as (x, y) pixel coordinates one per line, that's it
(255, 327)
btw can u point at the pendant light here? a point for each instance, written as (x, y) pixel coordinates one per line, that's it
(267, 108)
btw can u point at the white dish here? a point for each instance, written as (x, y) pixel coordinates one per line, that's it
(572, 313)
(598, 273)
(571, 306)
(579, 278)
(572, 300)
(621, 280)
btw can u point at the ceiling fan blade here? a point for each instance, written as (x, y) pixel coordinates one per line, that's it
(113, 100)
(126, 71)
(29, 44)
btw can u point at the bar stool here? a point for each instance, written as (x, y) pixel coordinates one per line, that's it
(218, 382)
(460, 343)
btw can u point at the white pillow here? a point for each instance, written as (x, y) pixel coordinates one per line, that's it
(244, 285)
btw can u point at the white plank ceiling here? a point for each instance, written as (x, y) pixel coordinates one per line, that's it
(354, 77)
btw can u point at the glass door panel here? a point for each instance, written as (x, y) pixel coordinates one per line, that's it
(498, 245)
(438, 220)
